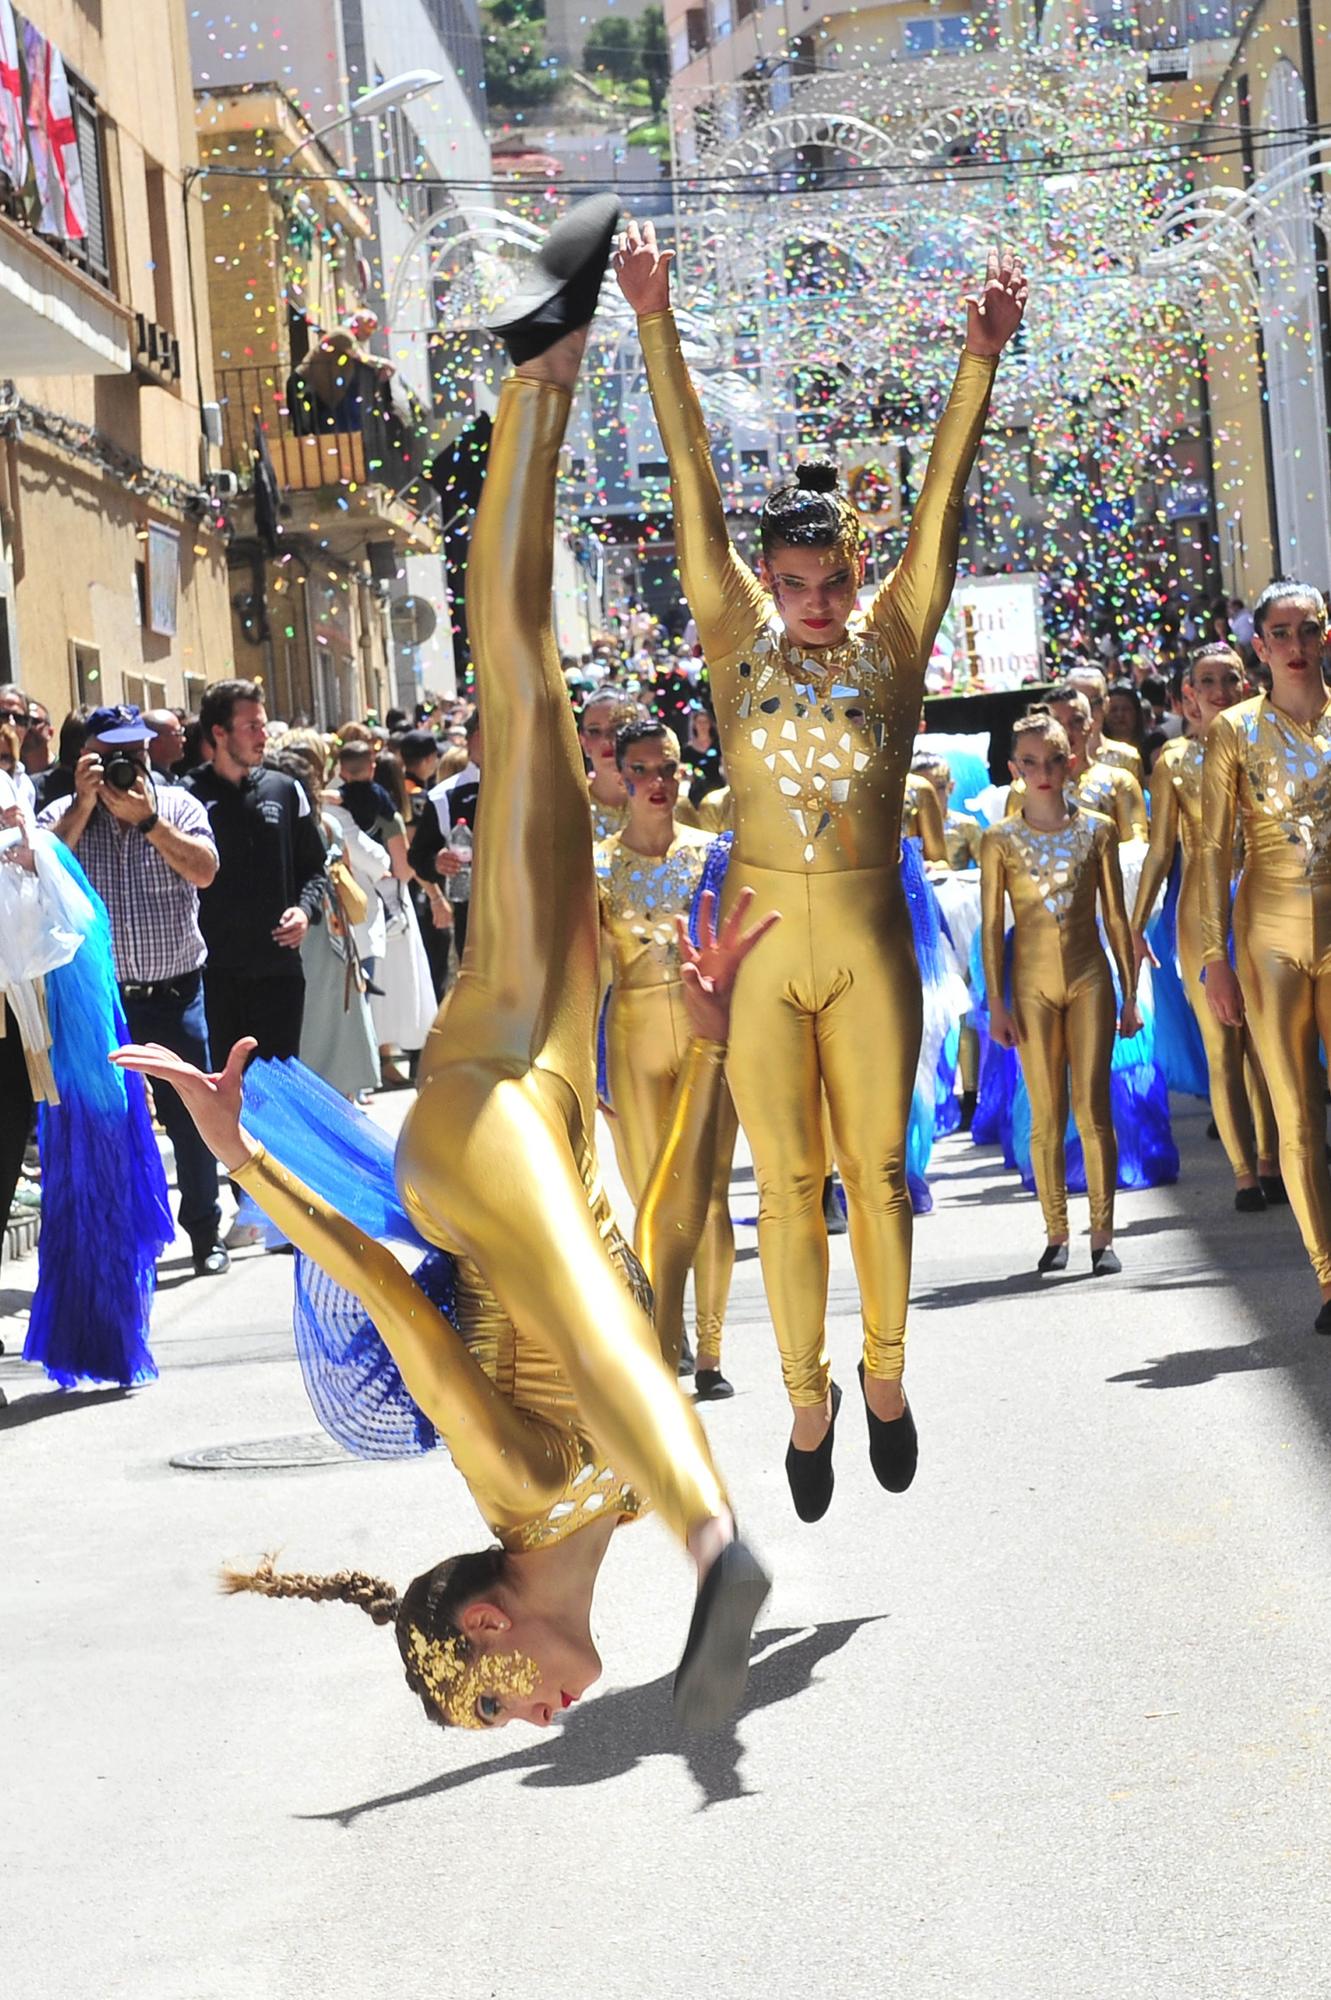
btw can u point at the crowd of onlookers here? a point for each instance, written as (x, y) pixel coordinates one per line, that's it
(311, 889)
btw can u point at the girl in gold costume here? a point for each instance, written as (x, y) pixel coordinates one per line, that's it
(816, 706)
(1102, 749)
(603, 716)
(1102, 788)
(1213, 681)
(1267, 771)
(649, 876)
(548, 1385)
(1054, 861)
(961, 831)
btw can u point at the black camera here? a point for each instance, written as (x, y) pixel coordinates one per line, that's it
(121, 771)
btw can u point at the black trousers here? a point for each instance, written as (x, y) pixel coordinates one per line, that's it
(438, 944)
(270, 1008)
(15, 1114)
(172, 1013)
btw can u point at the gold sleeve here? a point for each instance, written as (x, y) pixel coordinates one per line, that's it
(1114, 909)
(675, 1201)
(496, 1449)
(1129, 807)
(723, 594)
(1164, 840)
(909, 607)
(1221, 767)
(1016, 792)
(933, 833)
(993, 892)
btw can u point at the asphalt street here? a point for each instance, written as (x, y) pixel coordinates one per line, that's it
(1052, 1726)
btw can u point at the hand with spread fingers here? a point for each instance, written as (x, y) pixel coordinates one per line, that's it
(994, 310)
(643, 269)
(710, 968)
(213, 1102)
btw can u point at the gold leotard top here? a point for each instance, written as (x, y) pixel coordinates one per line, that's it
(1052, 881)
(962, 834)
(1270, 777)
(1124, 756)
(817, 741)
(922, 817)
(1103, 789)
(1176, 814)
(502, 1403)
(607, 819)
(641, 895)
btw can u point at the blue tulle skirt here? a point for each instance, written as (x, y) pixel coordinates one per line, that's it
(105, 1218)
(354, 1385)
(1179, 1048)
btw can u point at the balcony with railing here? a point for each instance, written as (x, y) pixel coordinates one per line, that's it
(352, 470)
(58, 311)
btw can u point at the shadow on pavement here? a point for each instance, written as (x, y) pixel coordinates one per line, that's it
(611, 1737)
(55, 1403)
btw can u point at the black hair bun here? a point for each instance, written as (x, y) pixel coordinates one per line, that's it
(817, 475)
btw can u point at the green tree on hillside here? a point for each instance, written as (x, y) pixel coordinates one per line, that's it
(654, 55)
(611, 50)
(518, 72)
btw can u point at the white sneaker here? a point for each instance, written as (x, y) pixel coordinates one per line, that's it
(243, 1236)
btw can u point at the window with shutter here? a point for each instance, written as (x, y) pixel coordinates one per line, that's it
(94, 252)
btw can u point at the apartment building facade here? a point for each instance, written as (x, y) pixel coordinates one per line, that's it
(112, 548)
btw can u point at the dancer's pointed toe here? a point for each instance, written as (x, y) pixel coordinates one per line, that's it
(709, 1680)
(560, 293)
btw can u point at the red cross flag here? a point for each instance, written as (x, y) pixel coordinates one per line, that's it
(13, 131)
(53, 141)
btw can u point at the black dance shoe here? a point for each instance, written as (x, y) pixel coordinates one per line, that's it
(1054, 1257)
(809, 1473)
(711, 1386)
(1322, 1323)
(686, 1364)
(560, 293)
(714, 1666)
(894, 1446)
(1104, 1264)
(1273, 1187)
(1249, 1201)
(833, 1215)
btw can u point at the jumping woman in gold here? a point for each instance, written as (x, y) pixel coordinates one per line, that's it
(816, 706)
(1053, 861)
(649, 875)
(550, 1391)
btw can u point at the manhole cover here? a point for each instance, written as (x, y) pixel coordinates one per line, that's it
(284, 1454)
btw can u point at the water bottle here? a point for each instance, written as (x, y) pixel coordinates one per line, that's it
(458, 887)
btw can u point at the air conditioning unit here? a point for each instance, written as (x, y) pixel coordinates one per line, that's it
(224, 485)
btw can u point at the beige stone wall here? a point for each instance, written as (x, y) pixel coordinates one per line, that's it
(75, 537)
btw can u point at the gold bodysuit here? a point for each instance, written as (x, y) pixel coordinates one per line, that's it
(496, 1159)
(962, 834)
(1062, 994)
(646, 1036)
(1270, 776)
(1126, 756)
(1104, 789)
(1240, 1103)
(922, 818)
(606, 819)
(817, 746)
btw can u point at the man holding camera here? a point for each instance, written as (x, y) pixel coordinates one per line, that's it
(147, 849)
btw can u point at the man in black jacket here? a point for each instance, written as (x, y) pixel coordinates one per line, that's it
(266, 892)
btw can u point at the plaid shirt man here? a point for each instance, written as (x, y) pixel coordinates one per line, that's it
(154, 912)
